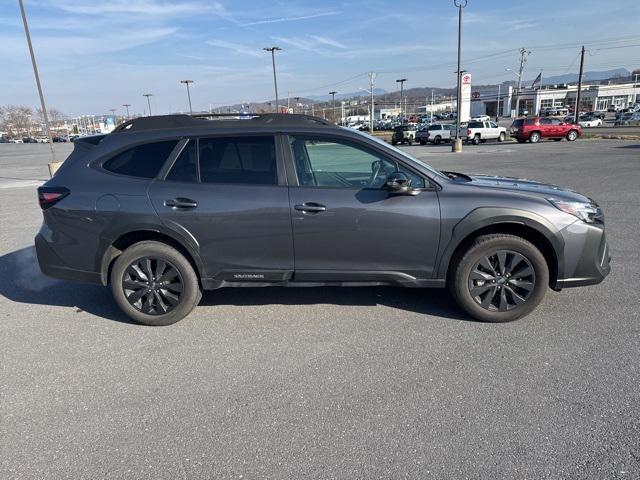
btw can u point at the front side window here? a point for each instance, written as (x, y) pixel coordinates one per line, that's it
(247, 160)
(342, 164)
(144, 161)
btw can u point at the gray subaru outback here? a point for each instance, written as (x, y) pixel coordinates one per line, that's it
(166, 207)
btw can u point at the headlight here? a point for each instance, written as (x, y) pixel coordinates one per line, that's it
(587, 212)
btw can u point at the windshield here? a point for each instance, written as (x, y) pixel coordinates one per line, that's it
(404, 154)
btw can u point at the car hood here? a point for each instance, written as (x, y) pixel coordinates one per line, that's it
(522, 185)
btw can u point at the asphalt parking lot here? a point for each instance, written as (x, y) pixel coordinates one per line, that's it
(327, 383)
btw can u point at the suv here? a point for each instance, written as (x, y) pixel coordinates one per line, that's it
(165, 207)
(534, 129)
(403, 134)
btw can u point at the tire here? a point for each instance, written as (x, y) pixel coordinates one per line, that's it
(409, 142)
(557, 139)
(520, 140)
(534, 137)
(394, 142)
(174, 267)
(572, 135)
(476, 139)
(502, 137)
(437, 140)
(423, 142)
(467, 274)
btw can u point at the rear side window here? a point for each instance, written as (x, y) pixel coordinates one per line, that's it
(434, 127)
(475, 125)
(247, 160)
(144, 161)
(185, 168)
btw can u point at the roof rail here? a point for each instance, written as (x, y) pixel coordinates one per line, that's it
(204, 119)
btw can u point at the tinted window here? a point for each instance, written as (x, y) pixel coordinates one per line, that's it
(434, 127)
(185, 168)
(142, 161)
(475, 125)
(250, 160)
(545, 121)
(338, 163)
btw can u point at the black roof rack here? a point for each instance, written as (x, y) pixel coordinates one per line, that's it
(205, 119)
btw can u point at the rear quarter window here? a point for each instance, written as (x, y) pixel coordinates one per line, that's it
(143, 161)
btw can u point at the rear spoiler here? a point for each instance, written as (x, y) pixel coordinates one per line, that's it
(81, 146)
(90, 141)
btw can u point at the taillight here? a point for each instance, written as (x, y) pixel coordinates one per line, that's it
(468, 132)
(49, 196)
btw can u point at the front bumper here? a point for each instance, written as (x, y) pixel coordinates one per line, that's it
(587, 256)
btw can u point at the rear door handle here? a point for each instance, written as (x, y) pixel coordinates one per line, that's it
(181, 203)
(310, 207)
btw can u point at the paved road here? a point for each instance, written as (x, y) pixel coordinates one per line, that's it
(327, 383)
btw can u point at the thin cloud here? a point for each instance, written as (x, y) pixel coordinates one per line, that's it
(289, 19)
(329, 41)
(236, 48)
(143, 7)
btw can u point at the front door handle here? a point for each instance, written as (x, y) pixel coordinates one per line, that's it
(310, 207)
(180, 203)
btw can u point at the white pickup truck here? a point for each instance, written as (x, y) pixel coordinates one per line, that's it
(482, 131)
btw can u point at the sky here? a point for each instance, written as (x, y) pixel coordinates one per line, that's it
(98, 55)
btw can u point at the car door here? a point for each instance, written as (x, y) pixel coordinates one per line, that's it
(228, 196)
(346, 225)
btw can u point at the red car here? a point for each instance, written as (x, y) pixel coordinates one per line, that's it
(536, 128)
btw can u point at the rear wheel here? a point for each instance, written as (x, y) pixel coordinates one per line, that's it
(423, 142)
(534, 137)
(437, 140)
(572, 135)
(499, 278)
(476, 139)
(394, 142)
(154, 284)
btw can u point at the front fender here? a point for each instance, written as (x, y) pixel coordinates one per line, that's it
(490, 216)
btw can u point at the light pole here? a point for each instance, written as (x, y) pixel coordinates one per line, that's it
(457, 145)
(333, 105)
(127, 105)
(187, 82)
(148, 101)
(372, 85)
(273, 51)
(498, 104)
(54, 165)
(113, 113)
(401, 82)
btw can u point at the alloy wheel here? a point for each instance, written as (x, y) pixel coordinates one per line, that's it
(502, 281)
(152, 285)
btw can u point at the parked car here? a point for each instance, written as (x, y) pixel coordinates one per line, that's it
(436, 134)
(481, 118)
(482, 131)
(614, 108)
(403, 134)
(628, 119)
(29, 140)
(536, 128)
(588, 121)
(164, 207)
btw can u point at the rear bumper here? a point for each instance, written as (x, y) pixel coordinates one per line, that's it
(587, 259)
(53, 266)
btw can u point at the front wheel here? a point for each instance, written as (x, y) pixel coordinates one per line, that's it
(499, 278)
(394, 142)
(154, 284)
(502, 137)
(572, 135)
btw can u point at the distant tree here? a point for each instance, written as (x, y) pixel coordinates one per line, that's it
(16, 118)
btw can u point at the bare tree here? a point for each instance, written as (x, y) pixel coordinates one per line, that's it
(17, 118)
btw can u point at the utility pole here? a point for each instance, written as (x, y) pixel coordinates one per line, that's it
(578, 95)
(187, 82)
(148, 101)
(432, 106)
(333, 105)
(401, 82)
(297, 99)
(273, 51)
(457, 144)
(54, 165)
(127, 105)
(372, 85)
(498, 104)
(523, 59)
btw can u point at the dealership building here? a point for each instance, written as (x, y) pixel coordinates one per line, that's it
(493, 100)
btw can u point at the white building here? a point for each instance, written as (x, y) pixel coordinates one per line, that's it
(484, 100)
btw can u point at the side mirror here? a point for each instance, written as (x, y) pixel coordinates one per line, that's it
(399, 183)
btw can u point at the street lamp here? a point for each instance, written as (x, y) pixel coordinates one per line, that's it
(148, 101)
(127, 105)
(333, 105)
(401, 82)
(457, 145)
(54, 165)
(273, 51)
(187, 82)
